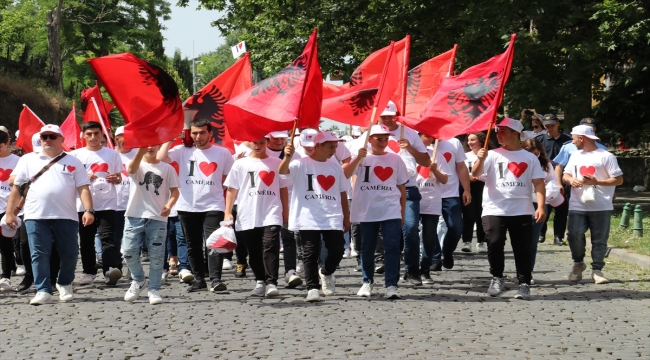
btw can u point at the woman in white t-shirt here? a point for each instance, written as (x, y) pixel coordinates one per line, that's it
(473, 211)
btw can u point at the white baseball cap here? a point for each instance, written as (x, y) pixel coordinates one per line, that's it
(119, 131)
(391, 109)
(307, 137)
(2, 128)
(356, 131)
(346, 138)
(379, 130)
(584, 130)
(5, 229)
(326, 136)
(277, 134)
(36, 142)
(52, 128)
(514, 125)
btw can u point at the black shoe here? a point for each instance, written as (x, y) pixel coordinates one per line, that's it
(448, 262)
(27, 282)
(217, 285)
(436, 266)
(240, 270)
(413, 278)
(358, 267)
(426, 278)
(144, 256)
(541, 239)
(557, 241)
(197, 285)
(379, 268)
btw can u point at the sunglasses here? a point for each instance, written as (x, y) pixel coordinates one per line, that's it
(49, 136)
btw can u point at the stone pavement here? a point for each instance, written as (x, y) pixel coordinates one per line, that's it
(454, 318)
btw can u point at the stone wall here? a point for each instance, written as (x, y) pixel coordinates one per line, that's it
(636, 167)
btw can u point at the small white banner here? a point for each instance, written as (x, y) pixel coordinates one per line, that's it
(238, 49)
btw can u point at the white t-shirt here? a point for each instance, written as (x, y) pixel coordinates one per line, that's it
(415, 141)
(7, 166)
(51, 196)
(602, 165)
(316, 198)
(376, 196)
(470, 159)
(149, 192)
(452, 151)
(201, 174)
(550, 176)
(508, 181)
(124, 187)
(101, 163)
(431, 203)
(258, 201)
(342, 153)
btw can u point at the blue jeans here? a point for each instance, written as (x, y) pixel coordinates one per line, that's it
(430, 244)
(452, 210)
(138, 231)
(392, 232)
(176, 244)
(42, 235)
(534, 240)
(410, 230)
(598, 224)
(98, 246)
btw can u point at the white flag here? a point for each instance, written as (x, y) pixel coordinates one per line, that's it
(238, 49)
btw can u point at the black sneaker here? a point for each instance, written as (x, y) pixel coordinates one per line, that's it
(557, 241)
(379, 268)
(448, 262)
(240, 270)
(218, 285)
(412, 278)
(27, 282)
(426, 278)
(541, 239)
(436, 266)
(358, 267)
(197, 285)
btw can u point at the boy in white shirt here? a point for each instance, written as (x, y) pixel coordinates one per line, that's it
(154, 191)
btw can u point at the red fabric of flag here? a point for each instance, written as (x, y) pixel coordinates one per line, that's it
(28, 124)
(71, 130)
(276, 102)
(208, 102)
(352, 103)
(468, 102)
(88, 111)
(146, 96)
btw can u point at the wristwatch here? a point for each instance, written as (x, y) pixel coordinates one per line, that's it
(92, 211)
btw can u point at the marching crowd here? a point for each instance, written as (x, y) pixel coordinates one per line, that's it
(388, 196)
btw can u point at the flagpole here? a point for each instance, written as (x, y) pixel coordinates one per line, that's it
(99, 90)
(33, 113)
(304, 84)
(101, 121)
(500, 94)
(405, 76)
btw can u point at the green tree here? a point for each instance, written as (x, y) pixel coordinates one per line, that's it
(183, 67)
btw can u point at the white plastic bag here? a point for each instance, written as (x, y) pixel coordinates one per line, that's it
(588, 194)
(223, 239)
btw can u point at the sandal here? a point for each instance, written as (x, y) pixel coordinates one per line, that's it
(173, 270)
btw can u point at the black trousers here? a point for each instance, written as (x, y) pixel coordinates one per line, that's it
(104, 224)
(561, 216)
(472, 214)
(198, 226)
(289, 242)
(263, 245)
(7, 256)
(311, 239)
(16, 241)
(519, 228)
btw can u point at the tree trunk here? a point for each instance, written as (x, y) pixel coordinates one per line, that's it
(53, 23)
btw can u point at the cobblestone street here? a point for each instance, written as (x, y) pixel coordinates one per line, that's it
(454, 318)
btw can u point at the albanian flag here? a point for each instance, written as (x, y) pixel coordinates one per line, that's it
(208, 102)
(28, 124)
(352, 103)
(146, 96)
(295, 93)
(71, 130)
(88, 112)
(468, 102)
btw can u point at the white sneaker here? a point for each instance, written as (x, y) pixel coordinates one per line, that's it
(65, 292)
(112, 276)
(365, 291)
(5, 284)
(327, 284)
(226, 265)
(576, 271)
(481, 247)
(281, 253)
(260, 289)
(346, 254)
(467, 247)
(292, 279)
(20, 270)
(391, 293)
(186, 276)
(42, 297)
(154, 297)
(87, 279)
(300, 269)
(272, 290)
(134, 291)
(313, 295)
(598, 277)
(353, 253)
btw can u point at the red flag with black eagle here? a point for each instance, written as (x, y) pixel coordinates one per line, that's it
(467, 102)
(146, 96)
(352, 102)
(71, 130)
(273, 104)
(208, 102)
(88, 113)
(28, 124)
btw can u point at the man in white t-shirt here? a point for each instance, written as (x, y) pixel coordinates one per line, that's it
(379, 200)
(318, 207)
(202, 169)
(154, 191)
(593, 174)
(262, 207)
(509, 173)
(122, 188)
(104, 168)
(50, 213)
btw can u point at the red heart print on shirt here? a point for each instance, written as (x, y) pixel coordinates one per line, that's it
(383, 173)
(99, 168)
(587, 170)
(4, 174)
(325, 182)
(393, 145)
(174, 164)
(267, 177)
(124, 172)
(447, 156)
(208, 168)
(424, 171)
(71, 168)
(517, 168)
